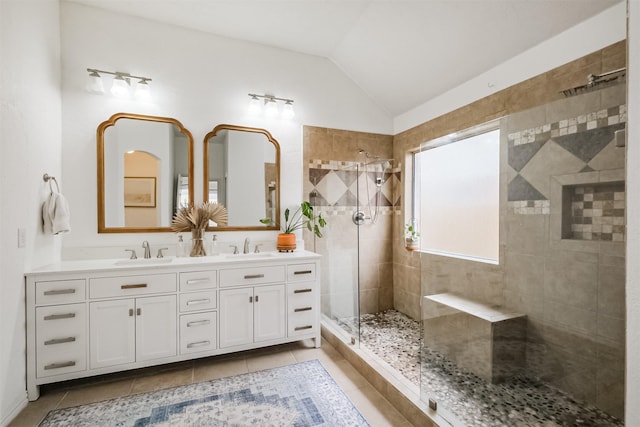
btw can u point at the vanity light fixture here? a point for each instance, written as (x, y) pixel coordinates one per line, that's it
(121, 85)
(270, 105)
(94, 83)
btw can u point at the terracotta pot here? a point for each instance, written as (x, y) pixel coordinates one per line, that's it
(286, 242)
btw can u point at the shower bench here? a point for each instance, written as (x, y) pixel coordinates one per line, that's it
(481, 338)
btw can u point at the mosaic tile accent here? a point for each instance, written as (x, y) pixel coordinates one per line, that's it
(598, 212)
(521, 401)
(581, 123)
(576, 146)
(334, 184)
(303, 394)
(530, 207)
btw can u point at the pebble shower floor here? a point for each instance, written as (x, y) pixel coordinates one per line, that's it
(523, 401)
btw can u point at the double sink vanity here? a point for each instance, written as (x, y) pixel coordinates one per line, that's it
(95, 317)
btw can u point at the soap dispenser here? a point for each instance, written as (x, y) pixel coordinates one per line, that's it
(213, 246)
(180, 250)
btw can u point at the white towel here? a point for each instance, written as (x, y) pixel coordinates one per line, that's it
(55, 214)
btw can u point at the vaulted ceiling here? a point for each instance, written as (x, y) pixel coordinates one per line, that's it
(400, 52)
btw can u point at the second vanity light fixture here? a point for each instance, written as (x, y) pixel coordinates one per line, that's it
(121, 86)
(268, 104)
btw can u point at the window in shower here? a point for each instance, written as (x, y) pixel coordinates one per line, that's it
(456, 194)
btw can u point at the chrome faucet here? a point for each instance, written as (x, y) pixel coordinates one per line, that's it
(147, 249)
(246, 246)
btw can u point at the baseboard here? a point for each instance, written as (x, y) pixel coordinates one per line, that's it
(19, 406)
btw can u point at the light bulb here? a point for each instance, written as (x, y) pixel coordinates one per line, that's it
(120, 87)
(271, 108)
(287, 110)
(94, 83)
(143, 91)
(254, 105)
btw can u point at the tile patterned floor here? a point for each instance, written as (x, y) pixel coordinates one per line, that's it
(376, 410)
(395, 338)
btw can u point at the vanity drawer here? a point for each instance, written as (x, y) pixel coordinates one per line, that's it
(197, 280)
(301, 272)
(198, 332)
(252, 275)
(301, 292)
(105, 287)
(194, 301)
(60, 339)
(60, 291)
(302, 322)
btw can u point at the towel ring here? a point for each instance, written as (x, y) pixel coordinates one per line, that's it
(48, 178)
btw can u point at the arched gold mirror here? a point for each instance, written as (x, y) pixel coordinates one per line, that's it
(145, 172)
(242, 172)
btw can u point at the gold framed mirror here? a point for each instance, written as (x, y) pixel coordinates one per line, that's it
(242, 172)
(145, 172)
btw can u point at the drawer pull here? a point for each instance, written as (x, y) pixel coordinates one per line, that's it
(131, 312)
(60, 316)
(298, 310)
(60, 341)
(59, 365)
(198, 323)
(60, 292)
(198, 344)
(199, 301)
(135, 286)
(302, 291)
(196, 281)
(303, 272)
(254, 276)
(301, 328)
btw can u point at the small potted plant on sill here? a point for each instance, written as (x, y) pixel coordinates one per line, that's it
(411, 238)
(302, 217)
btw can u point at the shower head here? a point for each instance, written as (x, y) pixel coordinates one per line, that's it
(598, 81)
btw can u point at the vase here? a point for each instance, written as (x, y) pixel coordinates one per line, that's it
(286, 242)
(197, 242)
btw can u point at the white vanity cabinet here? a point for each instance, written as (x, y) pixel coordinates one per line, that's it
(126, 324)
(96, 317)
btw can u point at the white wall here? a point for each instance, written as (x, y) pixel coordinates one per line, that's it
(596, 33)
(632, 416)
(201, 80)
(29, 146)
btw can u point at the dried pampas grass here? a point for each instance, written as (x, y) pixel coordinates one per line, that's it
(198, 217)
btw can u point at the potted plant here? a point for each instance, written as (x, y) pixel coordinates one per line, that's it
(302, 217)
(411, 237)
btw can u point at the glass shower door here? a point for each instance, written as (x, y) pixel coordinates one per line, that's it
(335, 195)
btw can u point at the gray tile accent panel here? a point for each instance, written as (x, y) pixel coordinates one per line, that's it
(521, 189)
(586, 145)
(519, 155)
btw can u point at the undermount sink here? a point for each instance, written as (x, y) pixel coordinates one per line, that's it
(143, 261)
(251, 255)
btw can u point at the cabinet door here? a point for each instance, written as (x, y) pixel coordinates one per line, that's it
(236, 317)
(112, 333)
(269, 313)
(156, 327)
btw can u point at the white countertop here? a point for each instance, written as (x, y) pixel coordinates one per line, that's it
(166, 263)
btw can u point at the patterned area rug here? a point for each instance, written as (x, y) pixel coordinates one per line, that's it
(303, 394)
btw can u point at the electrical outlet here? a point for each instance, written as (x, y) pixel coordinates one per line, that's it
(22, 237)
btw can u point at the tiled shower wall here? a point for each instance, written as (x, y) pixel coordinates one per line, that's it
(330, 159)
(571, 290)
(570, 283)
